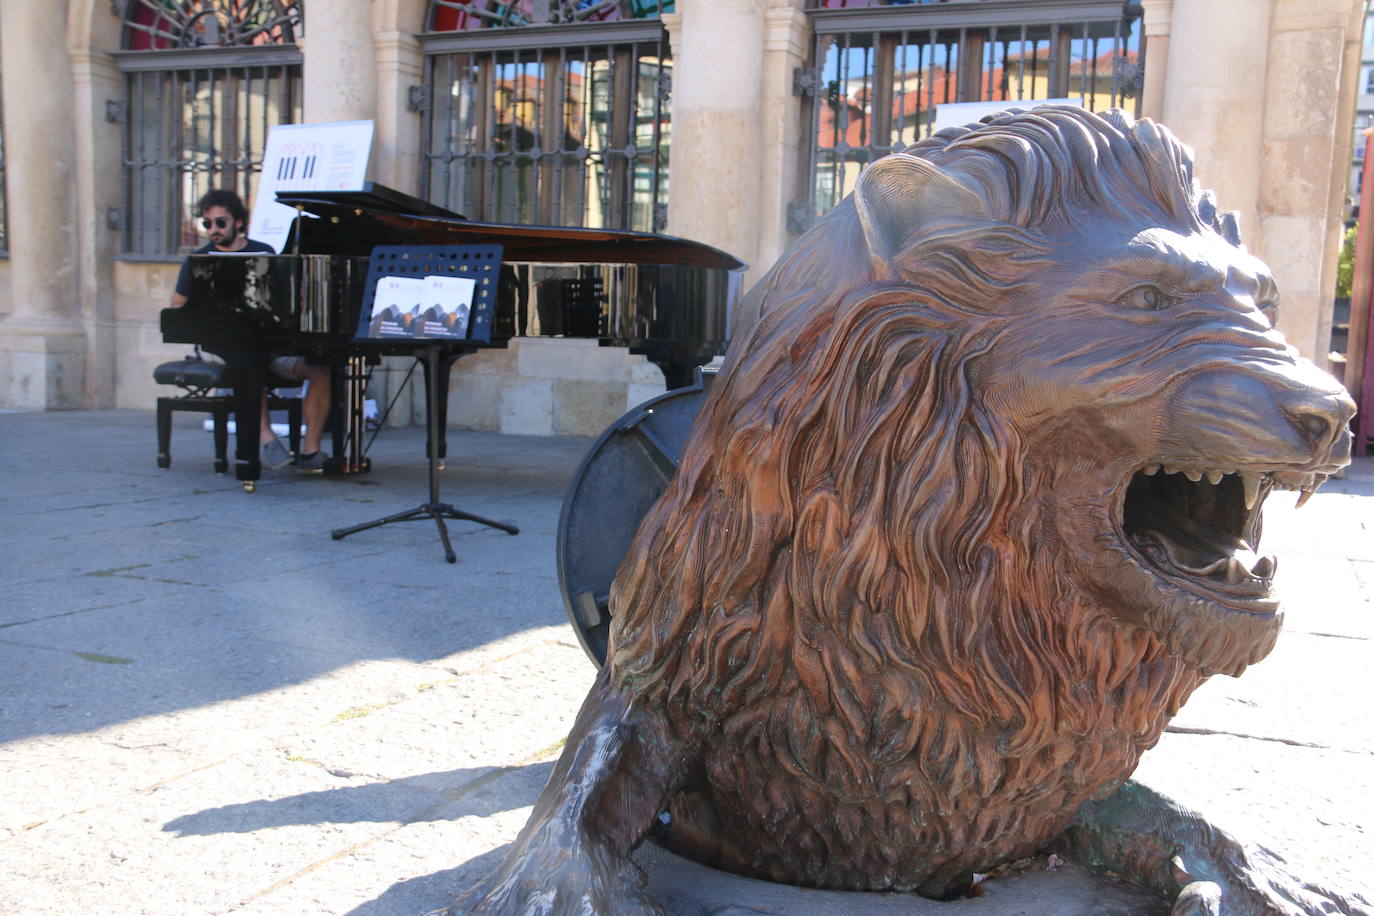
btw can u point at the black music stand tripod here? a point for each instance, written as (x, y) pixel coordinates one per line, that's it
(434, 508)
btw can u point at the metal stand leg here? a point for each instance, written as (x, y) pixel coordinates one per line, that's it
(434, 508)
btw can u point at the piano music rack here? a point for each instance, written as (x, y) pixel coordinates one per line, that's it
(480, 262)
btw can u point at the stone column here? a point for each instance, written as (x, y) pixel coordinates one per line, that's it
(717, 142)
(1158, 18)
(1214, 95)
(396, 163)
(42, 340)
(340, 66)
(786, 40)
(396, 149)
(1304, 164)
(96, 80)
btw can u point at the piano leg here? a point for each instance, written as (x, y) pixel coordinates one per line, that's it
(678, 361)
(248, 387)
(347, 416)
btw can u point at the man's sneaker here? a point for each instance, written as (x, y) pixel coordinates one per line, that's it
(275, 454)
(312, 463)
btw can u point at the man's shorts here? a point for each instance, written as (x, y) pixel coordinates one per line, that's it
(288, 366)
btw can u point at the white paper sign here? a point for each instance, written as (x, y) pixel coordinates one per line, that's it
(306, 157)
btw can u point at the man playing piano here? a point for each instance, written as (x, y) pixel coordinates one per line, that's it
(225, 219)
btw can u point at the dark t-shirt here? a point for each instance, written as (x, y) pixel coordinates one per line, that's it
(183, 286)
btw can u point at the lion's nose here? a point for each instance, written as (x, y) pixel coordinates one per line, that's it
(1323, 421)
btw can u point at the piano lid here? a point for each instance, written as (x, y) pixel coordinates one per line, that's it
(352, 222)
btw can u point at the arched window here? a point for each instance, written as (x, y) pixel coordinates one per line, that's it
(548, 112)
(462, 15)
(203, 82)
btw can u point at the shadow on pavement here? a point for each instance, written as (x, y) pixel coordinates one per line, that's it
(454, 794)
(130, 591)
(433, 891)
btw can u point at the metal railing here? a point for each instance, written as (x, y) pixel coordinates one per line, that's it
(187, 131)
(554, 125)
(883, 75)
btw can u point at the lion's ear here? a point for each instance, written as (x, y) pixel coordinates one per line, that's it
(900, 194)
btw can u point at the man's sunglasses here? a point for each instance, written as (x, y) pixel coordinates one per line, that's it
(219, 222)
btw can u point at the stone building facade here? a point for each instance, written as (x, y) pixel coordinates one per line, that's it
(1264, 90)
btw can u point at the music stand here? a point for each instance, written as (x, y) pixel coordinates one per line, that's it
(478, 263)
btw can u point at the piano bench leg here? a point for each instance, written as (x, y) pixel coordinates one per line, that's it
(164, 432)
(293, 414)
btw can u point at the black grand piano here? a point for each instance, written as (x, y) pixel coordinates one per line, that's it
(662, 297)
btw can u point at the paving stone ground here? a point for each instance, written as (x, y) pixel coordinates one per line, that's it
(209, 706)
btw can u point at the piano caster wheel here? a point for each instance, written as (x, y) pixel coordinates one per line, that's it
(250, 486)
(441, 467)
(164, 461)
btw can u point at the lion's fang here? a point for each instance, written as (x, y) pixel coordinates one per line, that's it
(1304, 495)
(1192, 475)
(1214, 477)
(1251, 483)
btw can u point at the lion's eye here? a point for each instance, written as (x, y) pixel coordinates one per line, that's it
(1146, 299)
(1270, 310)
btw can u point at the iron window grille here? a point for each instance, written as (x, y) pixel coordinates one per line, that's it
(882, 68)
(552, 112)
(204, 80)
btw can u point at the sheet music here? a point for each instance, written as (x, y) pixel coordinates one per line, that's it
(396, 307)
(448, 301)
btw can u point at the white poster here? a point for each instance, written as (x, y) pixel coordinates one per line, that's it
(448, 302)
(306, 157)
(396, 307)
(957, 114)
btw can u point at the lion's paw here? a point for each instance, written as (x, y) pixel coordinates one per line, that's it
(569, 888)
(1201, 898)
(1263, 885)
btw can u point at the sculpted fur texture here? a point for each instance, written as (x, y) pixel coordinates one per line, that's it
(966, 518)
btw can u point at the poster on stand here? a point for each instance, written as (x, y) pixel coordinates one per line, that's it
(306, 157)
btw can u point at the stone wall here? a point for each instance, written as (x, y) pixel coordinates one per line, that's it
(142, 290)
(549, 386)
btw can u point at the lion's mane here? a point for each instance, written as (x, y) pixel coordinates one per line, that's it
(845, 595)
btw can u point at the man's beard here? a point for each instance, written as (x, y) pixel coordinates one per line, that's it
(229, 235)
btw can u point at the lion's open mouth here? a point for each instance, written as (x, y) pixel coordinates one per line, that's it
(1201, 526)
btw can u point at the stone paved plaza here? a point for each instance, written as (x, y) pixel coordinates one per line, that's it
(209, 706)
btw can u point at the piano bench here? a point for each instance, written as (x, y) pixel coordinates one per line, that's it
(198, 379)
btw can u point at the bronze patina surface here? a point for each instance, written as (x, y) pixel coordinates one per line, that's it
(966, 518)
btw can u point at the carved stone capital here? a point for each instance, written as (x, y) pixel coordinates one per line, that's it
(786, 30)
(1159, 16)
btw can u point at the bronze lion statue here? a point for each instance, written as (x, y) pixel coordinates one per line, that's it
(967, 516)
